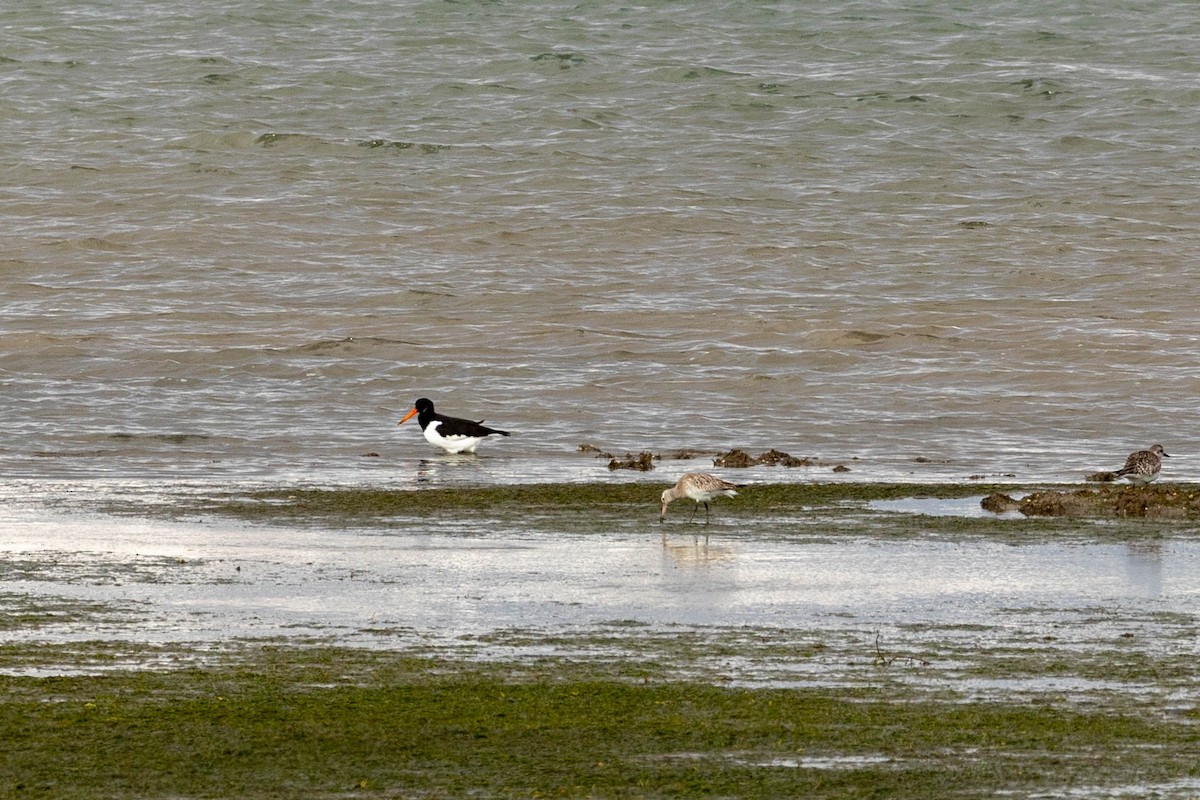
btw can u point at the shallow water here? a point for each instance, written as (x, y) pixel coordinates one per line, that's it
(944, 507)
(243, 243)
(475, 579)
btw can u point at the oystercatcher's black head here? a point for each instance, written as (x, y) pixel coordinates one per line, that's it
(422, 406)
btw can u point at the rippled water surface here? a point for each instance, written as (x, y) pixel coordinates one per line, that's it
(241, 241)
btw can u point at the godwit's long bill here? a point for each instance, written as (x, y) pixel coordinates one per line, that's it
(452, 434)
(1143, 466)
(699, 486)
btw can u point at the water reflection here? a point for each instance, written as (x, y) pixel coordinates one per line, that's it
(447, 469)
(696, 553)
(1143, 566)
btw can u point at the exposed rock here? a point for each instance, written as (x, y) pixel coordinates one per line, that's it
(735, 458)
(1157, 502)
(1103, 476)
(1078, 503)
(999, 503)
(643, 461)
(773, 457)
(738, 459)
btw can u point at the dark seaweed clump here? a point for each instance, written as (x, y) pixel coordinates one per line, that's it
(740, 459)
(1148, 502)
(734, 459)
(643, 461)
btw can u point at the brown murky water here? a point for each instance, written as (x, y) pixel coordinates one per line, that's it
(241, 244)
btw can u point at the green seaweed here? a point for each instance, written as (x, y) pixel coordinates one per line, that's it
(330, 723)
(353, 504)
(795, 511)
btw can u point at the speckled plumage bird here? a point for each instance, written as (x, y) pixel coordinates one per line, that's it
(699, 486)
(1143, 466)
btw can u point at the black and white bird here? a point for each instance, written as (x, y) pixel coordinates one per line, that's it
(1143, 466)
(452, 434)
(698, 486)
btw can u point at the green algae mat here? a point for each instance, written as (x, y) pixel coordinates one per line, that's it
(350, 506)
(336, 723)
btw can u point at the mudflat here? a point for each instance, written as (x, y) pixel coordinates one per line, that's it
(549, 640)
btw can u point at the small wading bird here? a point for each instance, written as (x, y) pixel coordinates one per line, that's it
(699, 486)
(452, 434)
(1143, 466)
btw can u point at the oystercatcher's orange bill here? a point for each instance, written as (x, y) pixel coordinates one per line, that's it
(407, 417)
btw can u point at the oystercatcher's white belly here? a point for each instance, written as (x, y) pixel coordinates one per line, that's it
(451, 444)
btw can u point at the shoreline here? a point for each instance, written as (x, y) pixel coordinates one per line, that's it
(815, 639)
(351, 506)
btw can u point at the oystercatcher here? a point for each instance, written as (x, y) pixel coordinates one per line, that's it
(1143, 466)
(699, 486)
(452, 434)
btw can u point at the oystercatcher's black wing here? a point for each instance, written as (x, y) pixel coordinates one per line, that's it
(453, 426)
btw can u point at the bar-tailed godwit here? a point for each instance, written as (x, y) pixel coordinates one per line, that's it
(699, 486)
